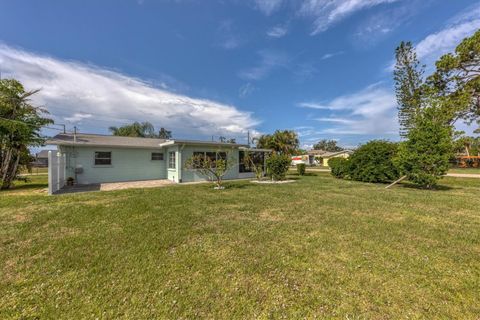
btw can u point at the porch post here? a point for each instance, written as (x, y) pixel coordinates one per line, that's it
(179, 165)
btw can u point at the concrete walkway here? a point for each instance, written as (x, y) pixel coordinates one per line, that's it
(110, 186)
(134, 184)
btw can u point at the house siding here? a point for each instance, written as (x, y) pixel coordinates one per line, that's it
(128, 164)
(340, 155)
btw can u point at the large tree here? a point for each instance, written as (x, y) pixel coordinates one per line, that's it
(164, 134)
(20, 125)
(281, 141)
(457, 81)
(327, 145)
(408, 76)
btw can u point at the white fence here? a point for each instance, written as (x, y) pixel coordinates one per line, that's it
(56, 171)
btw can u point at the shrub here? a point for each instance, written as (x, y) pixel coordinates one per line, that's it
(339, 167)
(301, 167)
(373, 162)
(277, 166)
(424, 157)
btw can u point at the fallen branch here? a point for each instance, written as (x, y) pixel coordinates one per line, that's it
(395, 182)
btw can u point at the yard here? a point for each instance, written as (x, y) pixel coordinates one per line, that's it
(465, 170)
(319, 247)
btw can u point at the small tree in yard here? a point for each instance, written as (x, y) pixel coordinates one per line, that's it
(277, 166)
(424, 157)
(212, 165)
(20, 124)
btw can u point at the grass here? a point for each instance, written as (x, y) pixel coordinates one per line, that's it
(34, 171)
(465, 170)
(317, 248)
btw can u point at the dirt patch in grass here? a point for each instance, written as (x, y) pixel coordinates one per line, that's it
(271, 215)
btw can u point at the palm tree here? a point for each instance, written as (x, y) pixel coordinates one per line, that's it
(20, 125)
(136, 129)
(281, 141)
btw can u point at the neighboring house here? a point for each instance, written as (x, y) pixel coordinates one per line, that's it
(319, 157)
(93, 158)
(323, 156)
(41, 159)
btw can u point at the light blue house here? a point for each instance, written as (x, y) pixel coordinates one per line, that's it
(93, 158)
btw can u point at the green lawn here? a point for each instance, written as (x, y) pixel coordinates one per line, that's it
(465, 170)
(35, 171)
(318, 247)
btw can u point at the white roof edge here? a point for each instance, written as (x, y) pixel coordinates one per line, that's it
(255, 149)
(167, 143)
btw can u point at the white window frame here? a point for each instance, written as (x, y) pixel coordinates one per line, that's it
(102, 164)
(157, 153)
(172, 156)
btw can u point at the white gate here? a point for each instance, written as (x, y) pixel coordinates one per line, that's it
(56, 171)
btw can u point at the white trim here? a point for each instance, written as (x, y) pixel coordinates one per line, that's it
(167, 143)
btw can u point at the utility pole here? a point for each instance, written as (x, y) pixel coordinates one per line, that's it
(248, 137)
(74, 134)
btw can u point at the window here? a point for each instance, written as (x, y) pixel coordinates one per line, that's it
(171, 160)
(242, 166)
(199, 159)
(212, 156)
(157, 156)
(103, 158)
(257, 158)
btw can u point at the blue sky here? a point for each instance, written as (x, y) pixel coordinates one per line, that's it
(225, 67)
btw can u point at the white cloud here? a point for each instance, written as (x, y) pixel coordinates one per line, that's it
(368, 111)
(77, 117)
(246, 90)
(73, 91)
(268, 6)
(445, 40)
(331, 55)
(380, 25)
(269, 61)
(336, 120)
(328, 12)
(228, 38)
(441, 42)
(277, 31)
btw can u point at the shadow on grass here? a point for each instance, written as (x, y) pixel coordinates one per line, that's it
(232, 186)
(409, 185)
(28, 186)
(307, 174)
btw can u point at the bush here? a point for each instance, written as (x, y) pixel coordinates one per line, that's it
(277, 166)
(424, 157)
(373, 162)
(301, 167)
(339, 167)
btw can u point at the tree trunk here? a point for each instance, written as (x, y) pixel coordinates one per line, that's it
(10, 170)
(5, 164)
